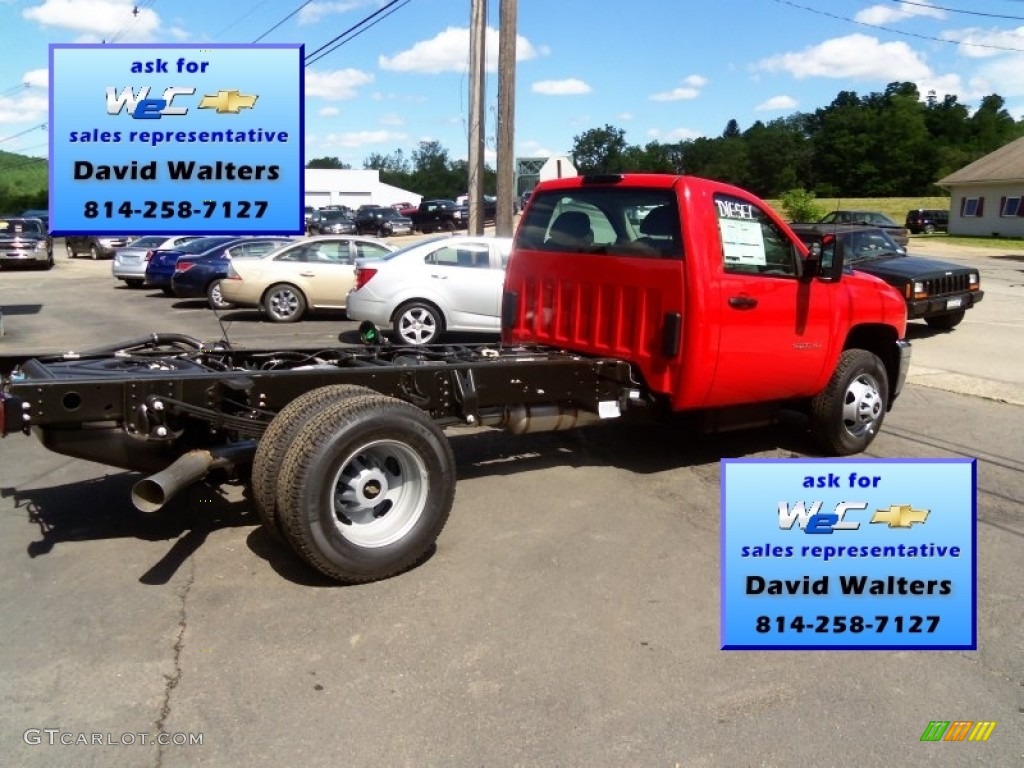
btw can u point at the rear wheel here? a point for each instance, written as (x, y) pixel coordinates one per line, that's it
(847, 415)
(278, 438)
(70, 250)
(366, 488)
(93, 253)
(417, 323)
(214, 297)
(284, 303)
(929, 229)
(945, 322)
(167, 291)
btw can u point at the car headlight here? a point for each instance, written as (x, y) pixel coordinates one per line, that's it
(40, 245)
(919, 290)
(973, 281)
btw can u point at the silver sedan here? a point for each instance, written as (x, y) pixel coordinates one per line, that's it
(130, 262)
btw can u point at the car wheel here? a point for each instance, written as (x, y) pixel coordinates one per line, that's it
(49, 261)
(366, 488)
(284, 303)
(449, 226)
(214, 297)
(134, 282)
(70, 250)
(847, 415)
(418, 323)
(929, 229)
(382, 233)
(945, 322)
(167, 291)
(93, 253)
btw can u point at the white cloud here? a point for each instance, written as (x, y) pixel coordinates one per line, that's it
(99, 19)
(854, 57)
(1002, 76)
(986, 43)
(568, 87)
(24, 109)
(534, 149)
(355, 139)
(329, 112)
(392, 119)
(37, 78)
(314, 12)
(690, 90)
(776, 103)
(448, 51)
(625, 116)
(336, 85)
(888, 14)
(675, 134)
(676, 94)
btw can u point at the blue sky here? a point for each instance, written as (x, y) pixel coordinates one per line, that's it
(659, 69)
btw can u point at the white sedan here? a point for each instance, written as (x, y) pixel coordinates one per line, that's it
(315, 273)
(437, 285)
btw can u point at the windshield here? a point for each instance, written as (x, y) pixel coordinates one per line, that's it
(18, 226)
(148, 242)
(866, 246)
(204, 244)
(333, 215)
(414, 246)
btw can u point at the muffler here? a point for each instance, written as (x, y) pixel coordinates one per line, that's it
(522, 419)
(152, 493)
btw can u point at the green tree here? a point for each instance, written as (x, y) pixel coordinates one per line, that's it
(600, 150)
(327, 162)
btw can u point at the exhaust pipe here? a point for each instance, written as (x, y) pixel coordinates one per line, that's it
(152, 493)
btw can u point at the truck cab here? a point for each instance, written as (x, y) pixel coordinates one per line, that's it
(698, 284)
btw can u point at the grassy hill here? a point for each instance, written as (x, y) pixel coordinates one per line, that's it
(23, 182)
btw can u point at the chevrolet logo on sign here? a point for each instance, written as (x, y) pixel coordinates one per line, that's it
(228, 102)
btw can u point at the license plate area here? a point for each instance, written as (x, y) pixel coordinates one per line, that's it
(954, 303)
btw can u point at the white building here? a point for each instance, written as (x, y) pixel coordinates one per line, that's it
(987, 196)
(328, 186)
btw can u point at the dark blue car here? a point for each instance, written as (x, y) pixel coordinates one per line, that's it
(198, 275)
(160, 267)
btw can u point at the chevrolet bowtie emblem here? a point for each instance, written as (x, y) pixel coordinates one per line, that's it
(900, 516)
(227, 102)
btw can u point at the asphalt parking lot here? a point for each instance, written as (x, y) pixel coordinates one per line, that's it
(569, 616)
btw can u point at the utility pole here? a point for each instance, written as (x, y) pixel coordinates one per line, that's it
(506, 118)
(477, 65)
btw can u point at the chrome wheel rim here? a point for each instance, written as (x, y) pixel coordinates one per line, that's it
(284, 303)
(863, 406)
(417, 325)
(379, 493)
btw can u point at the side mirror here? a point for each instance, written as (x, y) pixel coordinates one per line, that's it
(824, 259)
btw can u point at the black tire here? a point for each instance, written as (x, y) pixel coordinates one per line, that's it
(49, 261)
(848, 414)
(449, 226)
(416, 323)
(214, 298)
(93, 253)
(70, 250)
(945, 322)
(284, 303)
(275, 442)
(398, 475)
(167, 291)
(134, 282)
(929, 229)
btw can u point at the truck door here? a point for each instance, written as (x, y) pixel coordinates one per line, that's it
(774, 327)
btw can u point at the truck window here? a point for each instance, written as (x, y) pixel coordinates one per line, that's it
(752, 243)
(604, 221)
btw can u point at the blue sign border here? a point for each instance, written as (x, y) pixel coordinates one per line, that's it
(172, 229)
(723, 553)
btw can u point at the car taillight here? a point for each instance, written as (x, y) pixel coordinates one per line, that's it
(363, 275)
(150, 255)
(183, 266)
(232, 274)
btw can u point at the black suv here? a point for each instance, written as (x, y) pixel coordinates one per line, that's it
(927, 221)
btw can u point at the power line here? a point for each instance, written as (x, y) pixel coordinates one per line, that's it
(282, 21)
(897, 31)
(966, 13)
(313, 57)
(131, 22)
(237, 21)
(22, 133)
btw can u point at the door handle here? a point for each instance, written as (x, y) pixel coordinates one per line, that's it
(307, 274)
(440, 277)
(742, 302)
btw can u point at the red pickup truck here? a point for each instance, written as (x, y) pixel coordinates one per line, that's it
(704, 289)
(634, 295)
